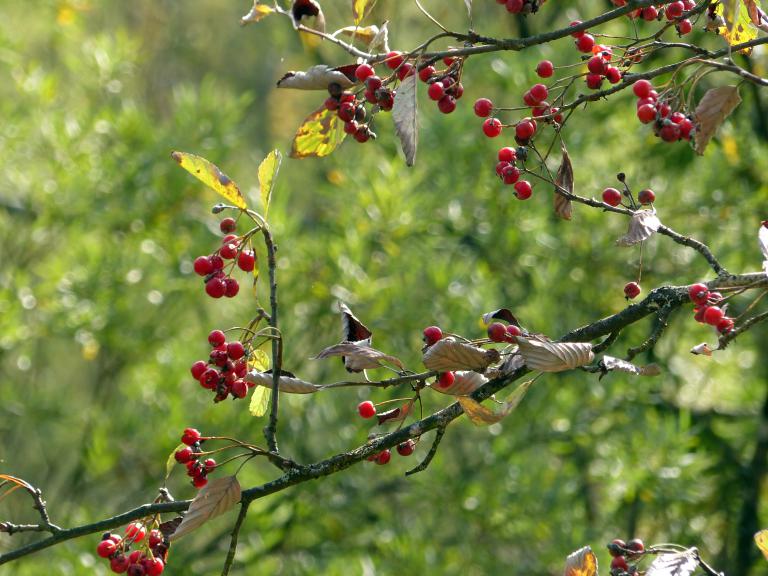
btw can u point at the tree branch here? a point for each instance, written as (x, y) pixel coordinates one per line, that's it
(431, 454)
(270, 431)
(233, 542)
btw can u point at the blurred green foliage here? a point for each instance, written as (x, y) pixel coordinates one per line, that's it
(101, 315)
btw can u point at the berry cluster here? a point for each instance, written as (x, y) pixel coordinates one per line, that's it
(522, 6)
(669, 126)
(707, 310)
(445, 86)
(148, 559)
(190, 457)
(673, 12)
(612, 197)
(404, 449)
(510, 173)
(623, 553)
(367, 409)
(224, 372)
(599, 66)
(218, 281)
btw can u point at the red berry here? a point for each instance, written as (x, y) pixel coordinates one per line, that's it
(725, 325)
(426, 73)
(642, 88)
(584, 43)
(619, 563)
(448, 60)
(579, 33)
(670, 132)
(436, 91)
(203, 266)
(106, 548)
(406, 448)
(596, 65)
(394, 60)
(331, 103)
(686, 127)
(447, 104)
(446, 379)
(615, 547)
(674, 10)
(228, 225)
(492, 127)
(135, 531)
(650, 13)
(523, 190)
(215, 288)
(239, 389)
(350, 127)
(611, 196)
(684, 27)
(613, 74)
(210, 465)
(198, 368)
(713, 315)
(217, 263)
(525, 129)
(510, 174)
(594, 81)
(346, 111)
(432, 334)
(231, 287)
(366, 409)
(228, 251)
(497, 332)
(190, 436)
(631, 290)
(209, 379)
(507, 154)
(405, 70)
(119, 564)
(646, 196)
(154, 567)
(515, 6)
(646, 113)
(545, 69)
(199, 481)
(483, 107)
(363, 71)
(636, 545)
(235, 350)
(384, 457)
(136, 557)
(216, 338)
(512, 332)
(539, 92)
(246, 261)
(184, 455)
(155, 537)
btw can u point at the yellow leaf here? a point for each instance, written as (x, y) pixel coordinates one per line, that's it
(258, 12)
(267, 173)
(215, 498)
(738, 28)
(583, 562)
(259, 361)
(210, 175)
(761, 539)
(259, 401)
(171, 462)
(480, 415)
(319, 135)
(360, 7)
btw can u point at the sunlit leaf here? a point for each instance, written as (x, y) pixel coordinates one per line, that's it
(210, 175)
(259, 401)
(360, 8)
(316, 78)
(366, 34)
(642, 226)
(449, 354)
(609, 363)
(564, 181)
(285, 383)
(554, 356)
(268, 170)
(583, 562)
(259, 361)
(714, 107)
(256, 13)
(739, 26)
(464, 382)
(761, 539)
(481, 415)
(215, 498)
(171, 463)
(405, 117)
(319, 135)
(680, 564)
(702, 349)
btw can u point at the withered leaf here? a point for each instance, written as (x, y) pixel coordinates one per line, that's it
(554, 356)
(501, 314)
(761, 539)
(762, 236)
(465, 382)
(256, 13)
(316, 78)
(360, 8)
(481, 415)
(319, 135)
(169, 527)
(268, 170)
(642, 226)
(756, 15)
(702, 348)
(680, 564)
(353, 329)
(716, 105)
(304, 9)
(448, 355)
(735, 22)
(468, 4)
(210, 175)
(564, 181)
(609, 363)
(215, 498)
(358, 357)
(405, 117)
(582, 562)
(285, 383)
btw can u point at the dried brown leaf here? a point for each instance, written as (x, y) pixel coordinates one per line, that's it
(554, 356)
(256, 13)
(304, 10)
(583, 562)
(316, 78)
(405, 117)
(353, 330)
(564, 180)
(609, 363)
(465, 382)
(285, 383)
(762, 237)
(481, 415)
(448, 355)
(215, 498)
(713, 109)
(642, 226)
(501, 314)
(358, 357)
(702, 348)
(680, 564)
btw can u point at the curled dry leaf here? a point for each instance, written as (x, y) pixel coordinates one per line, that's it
(642, 225)
(511, 364)
(554, 356)
(714, 107)
(316, 78)
(481, 415)
(583, 562)
(762, 237)
(308, 13)
(215, 498)
(609, 363)
(285, 383)
(761, 539)
(353, 330)
(210, 175)
(448, 355)
(358, 357)
(465, 382)
(702, 348)
(405, 117)
(564, 181)
(501, 314)
(680, 564)
(256, 13)
(319, 135)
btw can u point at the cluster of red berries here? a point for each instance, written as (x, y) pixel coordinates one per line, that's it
(498, 332)
(707, 310)
(148, 560)
(623, 553)
(510, 174)
(218, 281)
(404, 449)
(522, 6)
(673, 12)
(190, 457)
(224, 372)
(599, 65)
(612, 197)
(669, 126)
(445, 86)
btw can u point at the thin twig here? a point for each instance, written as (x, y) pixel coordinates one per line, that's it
(270, 431)
(656, 333)
(233, 541)
(726, 339)
(431, 454)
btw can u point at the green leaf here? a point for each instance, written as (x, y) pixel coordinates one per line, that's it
(268, 170)
(259, 361)
(210, 175)
(319, 135)
(170, 464)
(259, 401)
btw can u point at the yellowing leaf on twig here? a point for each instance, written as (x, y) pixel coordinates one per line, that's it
(449, 354)
(554, 356)
(739, 27)
(256, 13)
(583, 562)
(215, 498)
(481, 415)
(714, 107)
(210, 175)
(564, 181)
(319, 135)
(268, 170)
(761, 539)
(360, 8)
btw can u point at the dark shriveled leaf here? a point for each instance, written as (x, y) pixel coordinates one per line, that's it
(215, 498)
(353, 330)
(501, 314)
(642, 226)
(714, 107)
(405, 117)
(302, 10)
(169, 527)
(564, 180)
(681, 564)
(582, 562)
